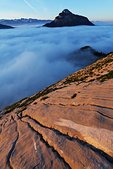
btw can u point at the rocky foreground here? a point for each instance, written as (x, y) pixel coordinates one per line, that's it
(67, 125)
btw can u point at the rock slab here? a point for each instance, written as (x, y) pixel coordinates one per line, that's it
(67, 125)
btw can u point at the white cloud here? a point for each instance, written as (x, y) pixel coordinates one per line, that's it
(33, 58)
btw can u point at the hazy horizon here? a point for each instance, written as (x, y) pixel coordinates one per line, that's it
(49, 19)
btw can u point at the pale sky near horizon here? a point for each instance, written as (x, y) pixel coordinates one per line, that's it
(101, 10)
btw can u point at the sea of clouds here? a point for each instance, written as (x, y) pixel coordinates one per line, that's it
(33, 58)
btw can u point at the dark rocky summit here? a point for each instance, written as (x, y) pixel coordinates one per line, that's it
(67, 18)
(5, 26)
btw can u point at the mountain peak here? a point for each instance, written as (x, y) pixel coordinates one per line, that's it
(67, 18)
(66, 11)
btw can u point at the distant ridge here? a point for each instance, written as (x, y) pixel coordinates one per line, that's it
(5, 26)
(67, 18)
(23, 21)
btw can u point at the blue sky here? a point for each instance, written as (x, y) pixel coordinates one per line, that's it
(48, 9)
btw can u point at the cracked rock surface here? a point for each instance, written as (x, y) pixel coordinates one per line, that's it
(67, 125)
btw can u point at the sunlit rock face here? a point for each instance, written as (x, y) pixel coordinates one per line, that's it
(67, 18)
(67, 125)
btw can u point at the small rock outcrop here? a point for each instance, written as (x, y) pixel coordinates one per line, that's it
(87, 55)
(5, 26)
(67, 125)
(67, 18)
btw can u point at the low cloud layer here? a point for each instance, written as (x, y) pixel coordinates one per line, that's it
(33, 58)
